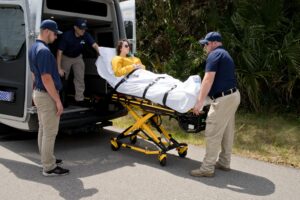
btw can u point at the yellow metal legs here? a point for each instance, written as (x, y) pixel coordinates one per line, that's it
(142, 128)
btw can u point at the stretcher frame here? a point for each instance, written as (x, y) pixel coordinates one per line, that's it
(143, 127)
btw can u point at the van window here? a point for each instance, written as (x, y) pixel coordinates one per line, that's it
(129, 29)
(79, 6)
(12, 32)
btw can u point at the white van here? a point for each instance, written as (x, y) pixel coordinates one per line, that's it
(20, 21)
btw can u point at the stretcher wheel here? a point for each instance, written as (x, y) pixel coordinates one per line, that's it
(133, 139)
(162, 159)
(114, 144)
(182, 151)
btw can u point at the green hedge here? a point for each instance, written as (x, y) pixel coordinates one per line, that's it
(261, 35)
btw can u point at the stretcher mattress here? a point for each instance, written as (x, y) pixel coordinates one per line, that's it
(158, 88)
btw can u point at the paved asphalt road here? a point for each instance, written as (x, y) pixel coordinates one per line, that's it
(99, 173)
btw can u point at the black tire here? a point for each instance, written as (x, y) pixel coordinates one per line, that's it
(6, 129)
(162, 159)
(163, 162)
(115, 146)
(133, 139)
(183, 154)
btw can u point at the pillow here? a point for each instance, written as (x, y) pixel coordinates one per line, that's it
(107, 55)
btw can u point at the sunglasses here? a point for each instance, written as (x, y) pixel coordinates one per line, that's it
(205, 44)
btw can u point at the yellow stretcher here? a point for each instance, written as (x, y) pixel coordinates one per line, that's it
(147, 117)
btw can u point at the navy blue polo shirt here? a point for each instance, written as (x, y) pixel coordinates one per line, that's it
(220, 61)
(42, 61)
(72, 46)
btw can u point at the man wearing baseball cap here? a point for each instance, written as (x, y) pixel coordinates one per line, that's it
(50, 25)
(69, 55)
(219, 84)
(45, 96)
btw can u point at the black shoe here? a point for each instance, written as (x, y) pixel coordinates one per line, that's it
(80, 103)
(57, 171)
(59, 162)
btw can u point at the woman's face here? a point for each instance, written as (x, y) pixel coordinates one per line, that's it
(125, 48)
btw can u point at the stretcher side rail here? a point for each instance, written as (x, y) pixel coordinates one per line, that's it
(188, 122)
(148, 116)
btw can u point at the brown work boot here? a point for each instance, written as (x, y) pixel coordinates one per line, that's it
(200, 173)
(221, 167)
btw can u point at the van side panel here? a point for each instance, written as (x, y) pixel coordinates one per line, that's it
(15, 77)
(12, 59)
(12, 79)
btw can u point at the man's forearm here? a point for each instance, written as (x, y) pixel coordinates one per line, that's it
(50, 87)
(96, 47)
(206, 86)
(58, 59)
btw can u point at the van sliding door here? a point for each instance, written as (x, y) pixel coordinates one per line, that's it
(12, 59)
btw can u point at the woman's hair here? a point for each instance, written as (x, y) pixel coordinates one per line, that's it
(120, 44)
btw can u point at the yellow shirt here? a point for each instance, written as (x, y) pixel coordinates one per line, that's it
(124, 65)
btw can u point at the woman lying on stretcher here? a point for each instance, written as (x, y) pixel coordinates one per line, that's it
(159, 88)
(127, 75)
(122, 64)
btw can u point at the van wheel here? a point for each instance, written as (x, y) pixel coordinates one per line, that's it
(6, 129)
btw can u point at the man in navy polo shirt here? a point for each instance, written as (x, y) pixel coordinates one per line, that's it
(69, 55)
(219, 84)
(46, 96)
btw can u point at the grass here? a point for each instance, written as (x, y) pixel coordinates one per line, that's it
(269, 137)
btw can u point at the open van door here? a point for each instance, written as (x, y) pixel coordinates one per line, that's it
(20, 21)
(128, 12)
(14, 73)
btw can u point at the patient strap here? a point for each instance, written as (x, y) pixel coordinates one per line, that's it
(166, 95)
(151, 84)
(124, 79)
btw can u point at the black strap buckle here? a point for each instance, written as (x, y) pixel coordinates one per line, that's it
(167, 93)
(124, 79)
(151, 84)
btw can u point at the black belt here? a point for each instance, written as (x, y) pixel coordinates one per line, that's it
(221, 94)
(42, 90)
(39, 90)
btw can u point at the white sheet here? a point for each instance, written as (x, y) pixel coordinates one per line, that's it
(181, 99)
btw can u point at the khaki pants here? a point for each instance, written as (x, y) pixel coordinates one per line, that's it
(48, 128)
(219, 132)
(78, 67)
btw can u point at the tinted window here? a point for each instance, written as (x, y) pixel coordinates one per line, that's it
(129, 29)
(79, 6)
(12, 32)
(105, 39)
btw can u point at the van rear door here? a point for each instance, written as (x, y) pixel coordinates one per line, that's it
(128, 12)
(14, 25)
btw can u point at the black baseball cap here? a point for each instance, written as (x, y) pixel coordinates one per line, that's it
(211, 37)
(51, 25)
(81, 23)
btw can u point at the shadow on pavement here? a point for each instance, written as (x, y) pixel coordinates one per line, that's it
(88, 155)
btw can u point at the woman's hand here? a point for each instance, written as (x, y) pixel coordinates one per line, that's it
(137, 66)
